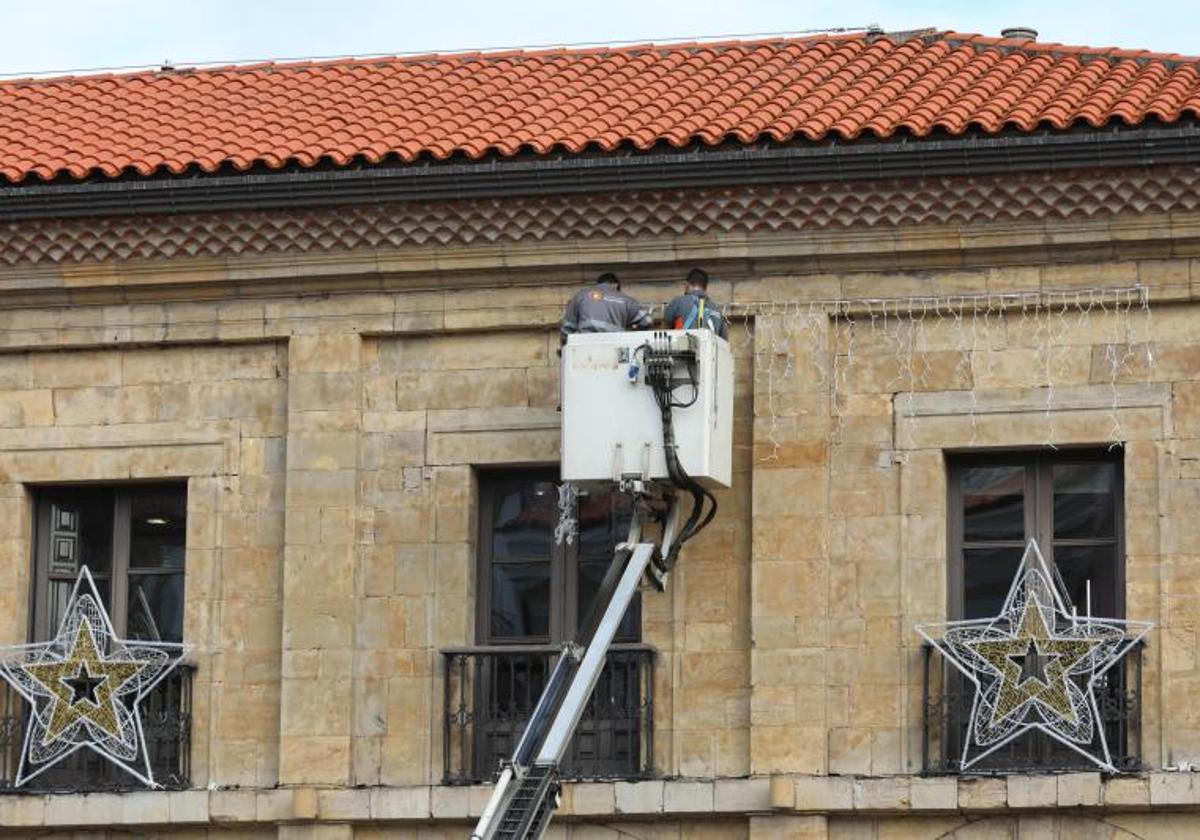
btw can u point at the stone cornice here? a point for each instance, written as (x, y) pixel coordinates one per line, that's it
(732, 255)
(928, 223)
(567, 228)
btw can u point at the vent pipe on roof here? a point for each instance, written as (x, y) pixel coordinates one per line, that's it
(1019, 33)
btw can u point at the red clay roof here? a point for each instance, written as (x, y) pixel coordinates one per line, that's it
(504, 103)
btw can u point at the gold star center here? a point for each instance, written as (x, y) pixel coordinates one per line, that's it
(1044, 683)
(102, 680)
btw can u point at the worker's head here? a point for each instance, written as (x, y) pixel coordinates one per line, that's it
(697, 280)
(609, 279)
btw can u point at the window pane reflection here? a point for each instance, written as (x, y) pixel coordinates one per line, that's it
(1095, 563)
(1083, 501)
(80, 532)
(157, 529)
(603, 523)
(591, 573)
(993, 503)
(987, 575)
(525, 516)
(520, 599)
(155, 608)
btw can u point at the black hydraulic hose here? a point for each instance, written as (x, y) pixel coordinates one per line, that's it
(660, 377)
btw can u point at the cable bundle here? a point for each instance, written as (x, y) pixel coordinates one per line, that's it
(660, 361)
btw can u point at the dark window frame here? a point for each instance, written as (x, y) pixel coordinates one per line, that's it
(497, 682)
(167, 709)
(946, 710)
(1039, 516)
(564, 568)
(117, 578)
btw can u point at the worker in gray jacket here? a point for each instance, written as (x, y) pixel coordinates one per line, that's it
(694, 310)
(603, 307)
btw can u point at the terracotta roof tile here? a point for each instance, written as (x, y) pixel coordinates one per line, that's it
(504, 104)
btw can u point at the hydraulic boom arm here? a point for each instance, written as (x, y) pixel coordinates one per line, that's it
(526, 793)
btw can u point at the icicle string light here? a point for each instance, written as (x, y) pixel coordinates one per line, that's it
(805, 350)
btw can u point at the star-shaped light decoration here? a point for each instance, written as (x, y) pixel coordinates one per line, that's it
(1035, 666)
(84, 686)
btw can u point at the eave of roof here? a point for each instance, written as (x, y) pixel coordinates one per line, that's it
(761, 164)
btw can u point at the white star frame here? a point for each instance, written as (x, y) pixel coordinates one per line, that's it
(84, 688)
(1063, 658)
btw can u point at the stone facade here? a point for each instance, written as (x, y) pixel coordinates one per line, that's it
(329, 411)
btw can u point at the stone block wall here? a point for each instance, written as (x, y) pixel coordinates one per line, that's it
(215, 416)
(331, 422)
(850, 505)
(435, 409)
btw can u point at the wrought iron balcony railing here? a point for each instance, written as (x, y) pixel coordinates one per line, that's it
(166, 723)
(490, 693)
(947, 707)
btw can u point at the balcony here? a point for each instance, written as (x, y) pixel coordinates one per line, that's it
(490, 693)
(947, 709)
(167, 726)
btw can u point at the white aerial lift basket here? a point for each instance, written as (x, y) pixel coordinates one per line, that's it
(611, 425)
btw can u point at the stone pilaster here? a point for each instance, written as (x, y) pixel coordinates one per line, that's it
(324, 421)
(16, 516)
(791, 622)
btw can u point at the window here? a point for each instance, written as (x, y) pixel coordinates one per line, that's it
(132, 540)
(533, 594)
(531, 589)
(1071, 502)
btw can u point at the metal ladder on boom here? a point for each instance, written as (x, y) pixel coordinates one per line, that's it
(526, 793)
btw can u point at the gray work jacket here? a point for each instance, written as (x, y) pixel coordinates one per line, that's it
(603, 308)
(684, 312)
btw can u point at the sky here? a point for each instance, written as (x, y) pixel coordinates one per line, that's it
(52, 36)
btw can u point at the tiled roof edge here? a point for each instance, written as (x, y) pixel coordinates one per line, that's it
(1141, 146)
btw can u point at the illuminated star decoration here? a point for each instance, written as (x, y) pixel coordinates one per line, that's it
(84, 686)
(1035, 666)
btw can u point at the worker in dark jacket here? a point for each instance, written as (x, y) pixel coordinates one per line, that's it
(693, 309)
(603, 307)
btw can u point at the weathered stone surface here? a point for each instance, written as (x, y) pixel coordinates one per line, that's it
(742, 795)
(788, 828)
(639, 797)
(933, 794)
(882, 794)
(1126, 792)
(684, 797)
(982, 794)
(450, 802)
(824, 793)
(348, 805)
(593, 798)
(401, 803)
(233, 806)
(1032, 791)
(1174, 789)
